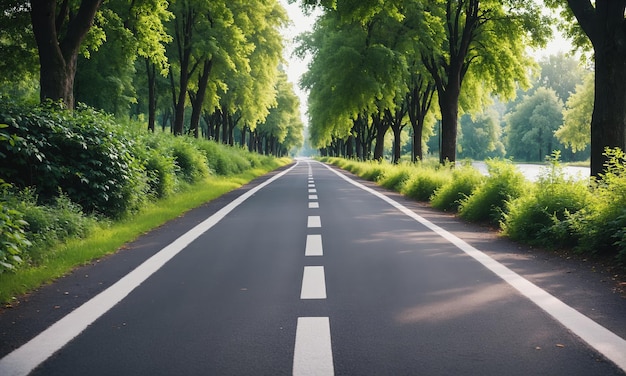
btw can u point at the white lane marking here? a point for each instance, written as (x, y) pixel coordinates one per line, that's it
(314, 245)
(313, 190)
(314, 221)
(26, 358)
(313, 355)
(314, 205)
(311, 185)
(313, 283)
(312, 197)
(598, 337)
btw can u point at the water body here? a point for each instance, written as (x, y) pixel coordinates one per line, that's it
(533, 171)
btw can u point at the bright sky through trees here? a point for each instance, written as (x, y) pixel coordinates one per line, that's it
(300, 23)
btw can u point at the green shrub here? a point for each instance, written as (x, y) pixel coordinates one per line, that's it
(192, 163)
(374, 171)
(51, 224)
(487, 203)
(13, 241)
(601, 226)
(465, 179)
(83, 152)
(395, 177)
(425, 181)
(541, 218)
(161, 170)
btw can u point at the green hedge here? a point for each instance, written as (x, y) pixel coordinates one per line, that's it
(555, 212)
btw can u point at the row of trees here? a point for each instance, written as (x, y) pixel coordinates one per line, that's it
(554, 114)
(203, 67)
(375, 66)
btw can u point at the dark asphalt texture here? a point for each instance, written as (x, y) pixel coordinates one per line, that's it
(401, 300)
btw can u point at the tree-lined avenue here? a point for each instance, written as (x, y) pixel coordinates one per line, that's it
(339, 281)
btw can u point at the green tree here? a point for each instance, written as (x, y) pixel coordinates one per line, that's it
(285, 115)
(483, 52)
(531, 126)
(576, 129)
(352, 74)
(481, 136)
(561, 73)
(63, 30)
(601, 24)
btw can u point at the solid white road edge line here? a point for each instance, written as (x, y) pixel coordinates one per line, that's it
(313, 355)
(27, 357)
(313, 245)
(609, 344)
(313, 283)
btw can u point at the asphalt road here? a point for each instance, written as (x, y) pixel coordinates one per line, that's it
(310, 274)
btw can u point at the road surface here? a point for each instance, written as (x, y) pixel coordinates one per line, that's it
(313, 273)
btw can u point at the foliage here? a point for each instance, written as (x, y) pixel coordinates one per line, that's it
(426, 181)
(82, 152)
(465, 180)
(576, 129)
(561, 73)
(531, 126)
(51, 224)
(191, 162)
(481, 136)
(488, 202)
(539, 216)
(13, 241)
(600, 226)
(396, 176)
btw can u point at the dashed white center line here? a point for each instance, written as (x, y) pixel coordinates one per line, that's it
(314, 221)
(313, 190)
(312, 197)
(314, 205)
(311, 185)
(314, 246)
(313, 355)
(313, 283)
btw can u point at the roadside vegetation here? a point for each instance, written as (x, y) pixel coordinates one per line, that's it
(80, 184)
(555, 212)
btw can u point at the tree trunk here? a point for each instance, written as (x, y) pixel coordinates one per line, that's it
(419, 100)
(198, 100)
(151, 71)
(449, 104)
(608, 122)
(381, 130)
(58, 56)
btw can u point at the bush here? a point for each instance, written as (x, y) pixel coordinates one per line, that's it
(373, 171)
(465, 179)
(541, 218)
(425, 181)
(487, 203)
(51, 224)
(13, 241)
(83, 152)
(395, 177)
(191, 162)
(601, 226)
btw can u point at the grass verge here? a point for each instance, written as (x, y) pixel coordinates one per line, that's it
(110, 236)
